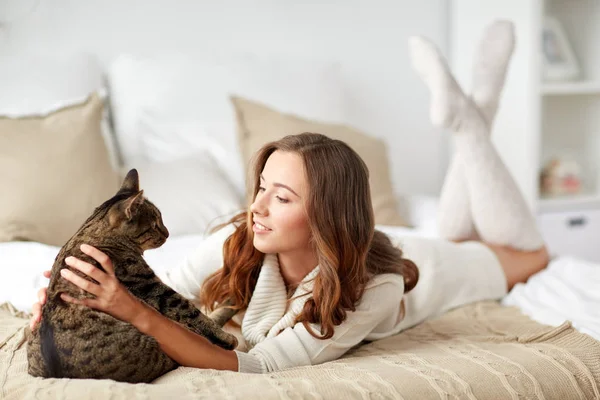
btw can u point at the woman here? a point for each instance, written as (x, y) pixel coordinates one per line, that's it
(304, 265)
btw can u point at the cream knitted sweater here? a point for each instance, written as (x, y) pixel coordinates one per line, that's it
(274, 341)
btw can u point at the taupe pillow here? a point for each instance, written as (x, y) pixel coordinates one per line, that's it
(54, 170)
(258, 124)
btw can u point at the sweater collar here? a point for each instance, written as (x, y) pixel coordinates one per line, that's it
(268, 314)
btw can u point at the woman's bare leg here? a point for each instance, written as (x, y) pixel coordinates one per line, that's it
(519, 265)
(500, 214)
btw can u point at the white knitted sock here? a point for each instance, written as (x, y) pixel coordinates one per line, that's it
(491, 63)
(432, 68)
(454, 218)
(500, 213)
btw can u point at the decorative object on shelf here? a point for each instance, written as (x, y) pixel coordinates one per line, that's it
(559, 61)
(560, 177)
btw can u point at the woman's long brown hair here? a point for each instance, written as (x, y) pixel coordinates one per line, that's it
(340, 214)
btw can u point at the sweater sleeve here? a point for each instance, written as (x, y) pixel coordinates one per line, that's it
(187, 277)
(379, 307)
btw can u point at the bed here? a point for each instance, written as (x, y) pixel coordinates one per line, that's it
(483, 351)
(541, 341)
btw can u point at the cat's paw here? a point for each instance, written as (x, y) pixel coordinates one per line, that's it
(225, 340)
(232, 342)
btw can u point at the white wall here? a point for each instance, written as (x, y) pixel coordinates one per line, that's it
(368, 37)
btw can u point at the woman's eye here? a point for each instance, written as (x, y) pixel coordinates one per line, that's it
(261, 189)
(282, 200)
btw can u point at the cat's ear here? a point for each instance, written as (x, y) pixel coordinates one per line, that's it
(131, 183)
(131, 205)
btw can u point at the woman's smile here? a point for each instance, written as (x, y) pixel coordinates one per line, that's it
(259, 228)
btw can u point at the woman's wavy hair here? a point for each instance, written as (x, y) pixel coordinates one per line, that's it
(350, 250)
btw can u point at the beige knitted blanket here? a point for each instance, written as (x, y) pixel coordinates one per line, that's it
(479, 351)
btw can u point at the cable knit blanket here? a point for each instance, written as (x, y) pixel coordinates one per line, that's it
(479, 351)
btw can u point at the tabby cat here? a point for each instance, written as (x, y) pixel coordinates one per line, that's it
(73, 341)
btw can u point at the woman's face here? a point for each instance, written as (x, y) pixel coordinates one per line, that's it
(278, 212)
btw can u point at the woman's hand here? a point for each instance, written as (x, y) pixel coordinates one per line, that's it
(111, 296)
(36, 309)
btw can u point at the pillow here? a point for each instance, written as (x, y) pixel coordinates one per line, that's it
(184, 101)
(54, 170)
(192, 193)
(38, 84)
(259, 124)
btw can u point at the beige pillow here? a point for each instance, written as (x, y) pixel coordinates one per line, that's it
(259, 124)
(54, 170)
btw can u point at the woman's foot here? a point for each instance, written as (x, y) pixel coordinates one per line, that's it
(446, 95)
(491, 65)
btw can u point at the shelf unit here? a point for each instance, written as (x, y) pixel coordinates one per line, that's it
(570, 88)
(539, 120)
(571, 203)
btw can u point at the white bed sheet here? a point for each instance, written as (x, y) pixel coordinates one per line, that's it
(566, 290)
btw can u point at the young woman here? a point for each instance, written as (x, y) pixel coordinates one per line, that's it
(306, 269)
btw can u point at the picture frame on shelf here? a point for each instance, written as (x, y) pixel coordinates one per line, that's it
(558, 58)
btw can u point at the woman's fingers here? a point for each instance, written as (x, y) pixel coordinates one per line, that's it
(86, 268)
(47, 274)
(36, 316)
(41, 295)
(80, 282)
(82, 302)
(99, 256)
(36, 309)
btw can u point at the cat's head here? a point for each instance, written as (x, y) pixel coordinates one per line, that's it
(134, 216)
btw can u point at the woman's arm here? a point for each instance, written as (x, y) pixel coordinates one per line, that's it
(182, 345)
(187, 348)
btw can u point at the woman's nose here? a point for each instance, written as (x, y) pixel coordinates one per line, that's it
(259, 206)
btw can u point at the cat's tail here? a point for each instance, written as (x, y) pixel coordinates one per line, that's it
(49, 351)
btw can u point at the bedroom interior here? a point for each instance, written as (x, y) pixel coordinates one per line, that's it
(186, 91)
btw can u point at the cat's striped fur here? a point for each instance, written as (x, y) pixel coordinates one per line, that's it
(73, 341)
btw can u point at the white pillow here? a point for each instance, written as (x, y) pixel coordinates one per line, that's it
(38, 84)
(188, 98)
(192, 193)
